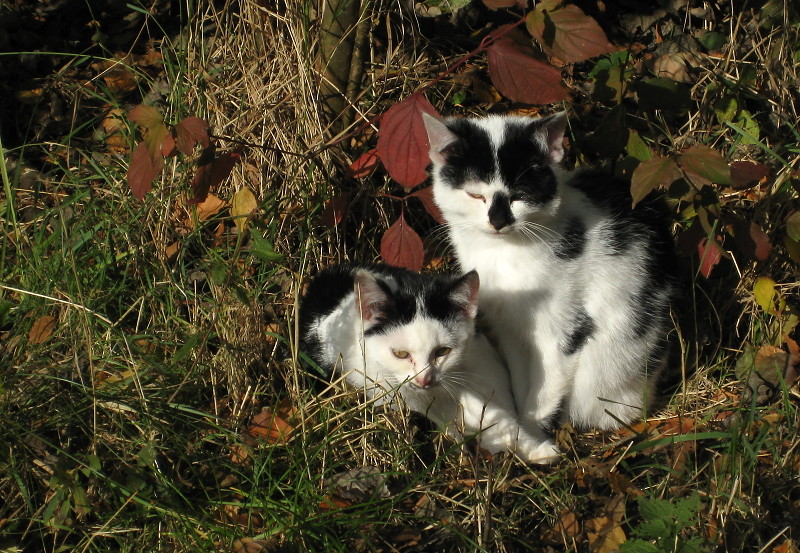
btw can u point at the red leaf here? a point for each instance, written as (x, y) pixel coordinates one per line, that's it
(403, 141)
(746, 174)
(425, 195)
(189, 132)
(567, 33)
(168, 148)
(751, 241)
(142, 170)
(521, 77)
(335, 210)
(650, 174)
(710, 254)
(704, 165)
(365, 165)
(211, 171)
(402, 247)
(222, 166)
(762, 245)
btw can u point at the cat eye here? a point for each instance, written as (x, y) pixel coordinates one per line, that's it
(517, 197)
(476, 196)
(401, 354)
(442, 351)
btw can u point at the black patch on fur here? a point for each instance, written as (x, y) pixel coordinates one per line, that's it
(471, 156)
(524, 166)
(573, 240)
(582, 330)
(500, 211)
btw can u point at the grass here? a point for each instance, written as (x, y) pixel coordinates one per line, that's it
(131, 374)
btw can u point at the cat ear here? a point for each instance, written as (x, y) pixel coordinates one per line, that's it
(555, 126)
(464, 293)
(371, 298)
(439, 138)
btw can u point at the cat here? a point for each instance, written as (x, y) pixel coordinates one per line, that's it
(392, 332)
(576, 283)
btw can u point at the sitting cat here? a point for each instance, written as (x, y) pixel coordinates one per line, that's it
(576, 283)
(391, 331)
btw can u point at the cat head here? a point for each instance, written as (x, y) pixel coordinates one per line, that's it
(496, 173)
(416, 329)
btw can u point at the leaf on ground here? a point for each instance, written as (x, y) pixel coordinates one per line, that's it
(365, 165)
(403, 142)
(42, 329)
(335, 210)
(206, 209)
(792, 223)
(425, 195)
(142, 170)
(359, 485)
(521, 77)
(650, 174)
(764, 293)
(243, 203)
(604, 535)
(750, 239)
(704, 165)
(401, 246)
(747, 174)
(567, 527)
(189, 132)
(249, 545)
(710, 254)
(567, 33)
(275, 426)
(675, 66)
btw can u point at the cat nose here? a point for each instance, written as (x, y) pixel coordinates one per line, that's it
(500, 215)
(425, 379)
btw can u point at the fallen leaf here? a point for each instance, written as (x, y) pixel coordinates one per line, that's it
(566, 528)
(764, 293)
(243, 204)
(208, 207)
(275, 426)
(42, 330)
(605, 536)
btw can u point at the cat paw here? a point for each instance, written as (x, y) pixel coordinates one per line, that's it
(541, 453)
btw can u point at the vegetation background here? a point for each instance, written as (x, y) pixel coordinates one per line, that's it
(152, 395)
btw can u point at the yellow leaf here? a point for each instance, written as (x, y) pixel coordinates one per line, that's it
(243, 204)
(764, 293)
(604, 535)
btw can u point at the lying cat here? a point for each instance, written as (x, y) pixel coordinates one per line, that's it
(391, 331)
(576, 284)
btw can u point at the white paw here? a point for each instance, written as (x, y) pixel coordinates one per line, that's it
(539, 453)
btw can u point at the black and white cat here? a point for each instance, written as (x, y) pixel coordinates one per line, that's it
(576, 284)
(390, 331)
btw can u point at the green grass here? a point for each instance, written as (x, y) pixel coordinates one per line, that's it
(127, 425)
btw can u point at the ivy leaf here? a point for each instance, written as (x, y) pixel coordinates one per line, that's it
(365, 165)
(425, 195)
(142, 170)
(704, 165)
(189, 132)
(650, 174)
(402, 247)
(519, 76)
(403, 141)
(567, 33)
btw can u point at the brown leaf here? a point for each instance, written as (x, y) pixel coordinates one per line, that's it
(519, 76)
(365, 165)
(120, 80)
(402, 247)
(651, 174)
(211, 171)
(746, 174)
(425, 195)
(208, 207)
(275, 426)
(42, 329)
(605, 536)
(498, 4)
(335, 210)
(751, 241)
(142, 170)
(567, 33)
(403, 141)
(189, 132)
(566, 528)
